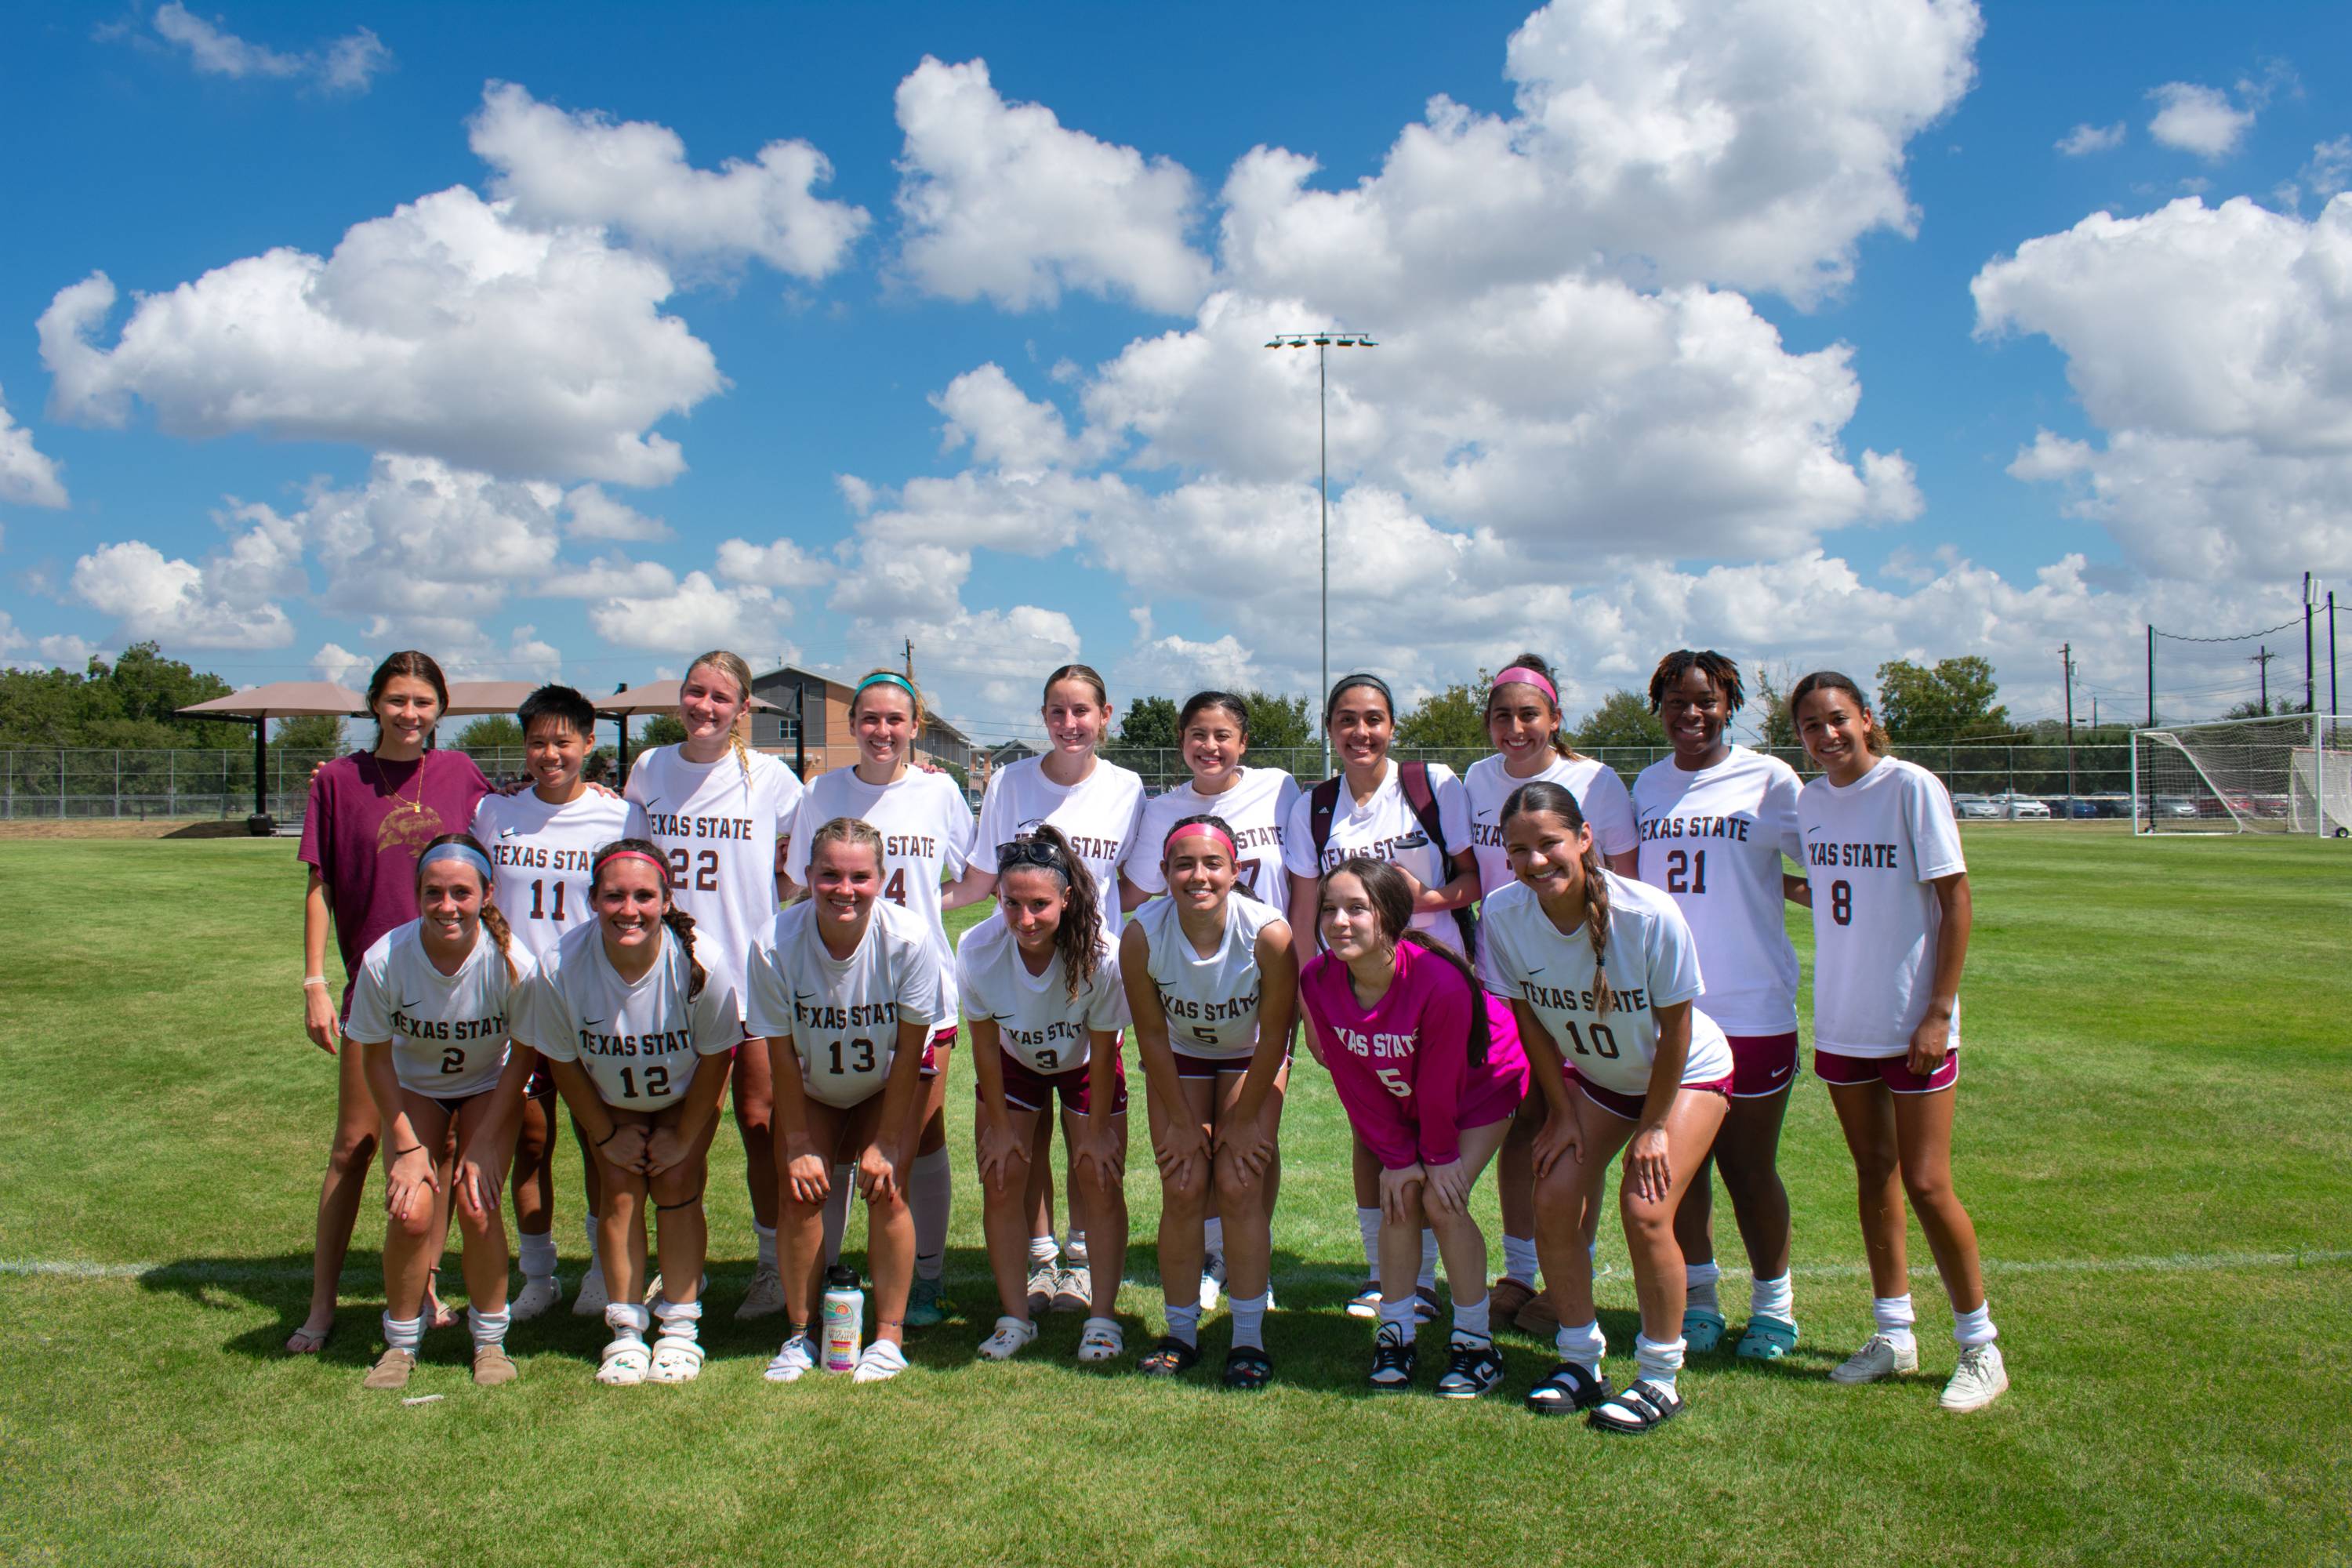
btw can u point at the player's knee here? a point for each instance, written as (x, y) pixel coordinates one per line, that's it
(1647, 1220)
(1190, 1204)
(1926, 1189)
(416, 1225)
(1877, 1167)
(678, 1184)
(353, 1152)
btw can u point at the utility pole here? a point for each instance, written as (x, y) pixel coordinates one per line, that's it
(2151, 674)
(2309, 705)
(910, 658)
(1321, 342)
(2332, 710)
(2263, 658)
(2067, 655)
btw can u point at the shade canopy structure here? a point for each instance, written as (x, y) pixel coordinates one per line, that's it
(652, 697)
(487, 696)
(276, 700)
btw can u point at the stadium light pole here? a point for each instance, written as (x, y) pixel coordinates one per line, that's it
(1321, 342)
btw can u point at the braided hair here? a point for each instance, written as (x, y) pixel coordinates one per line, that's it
(732, 667)
(1078, 937)
(1544, 798)
(1717, 668)
(1391, 892)
(494, 919)
(680, 923)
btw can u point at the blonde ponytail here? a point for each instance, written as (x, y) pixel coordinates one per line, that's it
(732, 666)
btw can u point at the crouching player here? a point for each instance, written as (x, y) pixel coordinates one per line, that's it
(843, 987)
(625, 1014)
(429, 1013)
(1602, 971)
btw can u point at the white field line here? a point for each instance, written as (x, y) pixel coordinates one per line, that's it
(2173, 1263)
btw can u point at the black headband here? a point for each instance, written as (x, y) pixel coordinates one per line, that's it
(1359, 679)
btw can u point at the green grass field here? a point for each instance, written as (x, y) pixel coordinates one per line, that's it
(2155, 1140)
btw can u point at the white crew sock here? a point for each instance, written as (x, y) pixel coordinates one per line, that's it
(1074, 1248)
(1213, 1236)
(1585, 1346)
(1249, 1321)
(1043, 1249)
(836, 1211)
(1184, 1323)
(1428, 1280)
(537, 1255)
(590, 1225)
(1399, 1315)
(488, 1328)
(1975, 1328)
(1519, 1258)
(930, 1192)
(767, 1237)
(1471, 1320)
(1367, 1221)
(679, 1319)
(403, 1333)
(1698, 1285)
(627, 1319)
(1772, 1299)
(1894, 1317)
(1658, 1361)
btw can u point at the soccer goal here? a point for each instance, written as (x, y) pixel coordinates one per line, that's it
(2287, 775)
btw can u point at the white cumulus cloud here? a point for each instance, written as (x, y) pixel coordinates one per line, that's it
(2199, 119)
(26, 477)
(561, 168)
(230, 601)
(694, 615)
(347, 64)
(2084, 140)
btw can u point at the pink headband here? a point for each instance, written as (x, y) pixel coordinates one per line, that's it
(654, 860)
(1520, 673)
(1204, 830)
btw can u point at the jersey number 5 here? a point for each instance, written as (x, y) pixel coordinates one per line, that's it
(1393, 1081)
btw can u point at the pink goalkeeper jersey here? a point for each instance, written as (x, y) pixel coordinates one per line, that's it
(1402, 1068)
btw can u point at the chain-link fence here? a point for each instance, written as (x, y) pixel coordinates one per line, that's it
(1995, 781)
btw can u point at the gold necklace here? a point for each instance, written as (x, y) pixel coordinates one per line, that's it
(415, 805)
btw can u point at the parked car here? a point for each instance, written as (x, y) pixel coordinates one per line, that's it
(2177, 806)
(2021, 808)
(1975, 808)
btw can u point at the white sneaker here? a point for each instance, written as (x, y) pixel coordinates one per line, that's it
(1879, 1357)
(1042, 1279)
(796, 1358)
(881, 1361)
(1213, 1281)
(536, 1296)
(766, 1297)
(1978, 1380)
(1012, 1337)
(592, 1300)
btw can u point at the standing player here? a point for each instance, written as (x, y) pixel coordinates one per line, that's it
(1891, 917)
(1525, 722)
(1429, 1069)
(1042, 990)
(541, 842)
(717, 809)
(370, 815)
(1415, 816)
(639, 1032)
(1212, 730)
(845, 987)
(1095, 803)
(430, 1011)
(1602, 973)
(1210, 982)
(927, 835)
(1716, 820)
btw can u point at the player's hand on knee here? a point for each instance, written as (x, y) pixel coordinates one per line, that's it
(1649, 1175)
(476, 1188)
(878, 1171)
(1401, 1195)
(665, 1149)
(809, 1174)
(1560, 1136)
(1449, 1188)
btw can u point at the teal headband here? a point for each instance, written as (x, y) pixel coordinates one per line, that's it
(465, 852)
(900, 681)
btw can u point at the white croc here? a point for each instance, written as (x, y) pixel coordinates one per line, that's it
(677, 1359)
(1102, 1340)
(1012, 1337)
(793, 1363)
(881, 1361)
(592, 1300)
(626, 1362)
(1878, 1357)
(536, 1296)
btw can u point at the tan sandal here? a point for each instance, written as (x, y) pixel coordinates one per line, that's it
(493, 1366)
(391, 1369)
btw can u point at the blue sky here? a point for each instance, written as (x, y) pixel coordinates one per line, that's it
(1793, 336)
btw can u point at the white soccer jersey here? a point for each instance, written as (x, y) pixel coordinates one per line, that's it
(1384, 829)
(1211, 1002)
(1872, 850)
(542, 854)
(927, 834)
(1097, 815)
(842, 1015)
(1713, 839)
(639, 1042)
(1039, 1022)
(718, 823)
(1600, 794)
(1256, 807)
(1653, 963)
(448, 1032)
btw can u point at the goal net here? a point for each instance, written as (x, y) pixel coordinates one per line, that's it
(2287, 775)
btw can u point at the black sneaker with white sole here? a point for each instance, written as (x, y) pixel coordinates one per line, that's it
(1472, 1368)
(1393, 1360)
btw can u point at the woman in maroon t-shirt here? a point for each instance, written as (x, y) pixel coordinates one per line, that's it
(370, 815)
